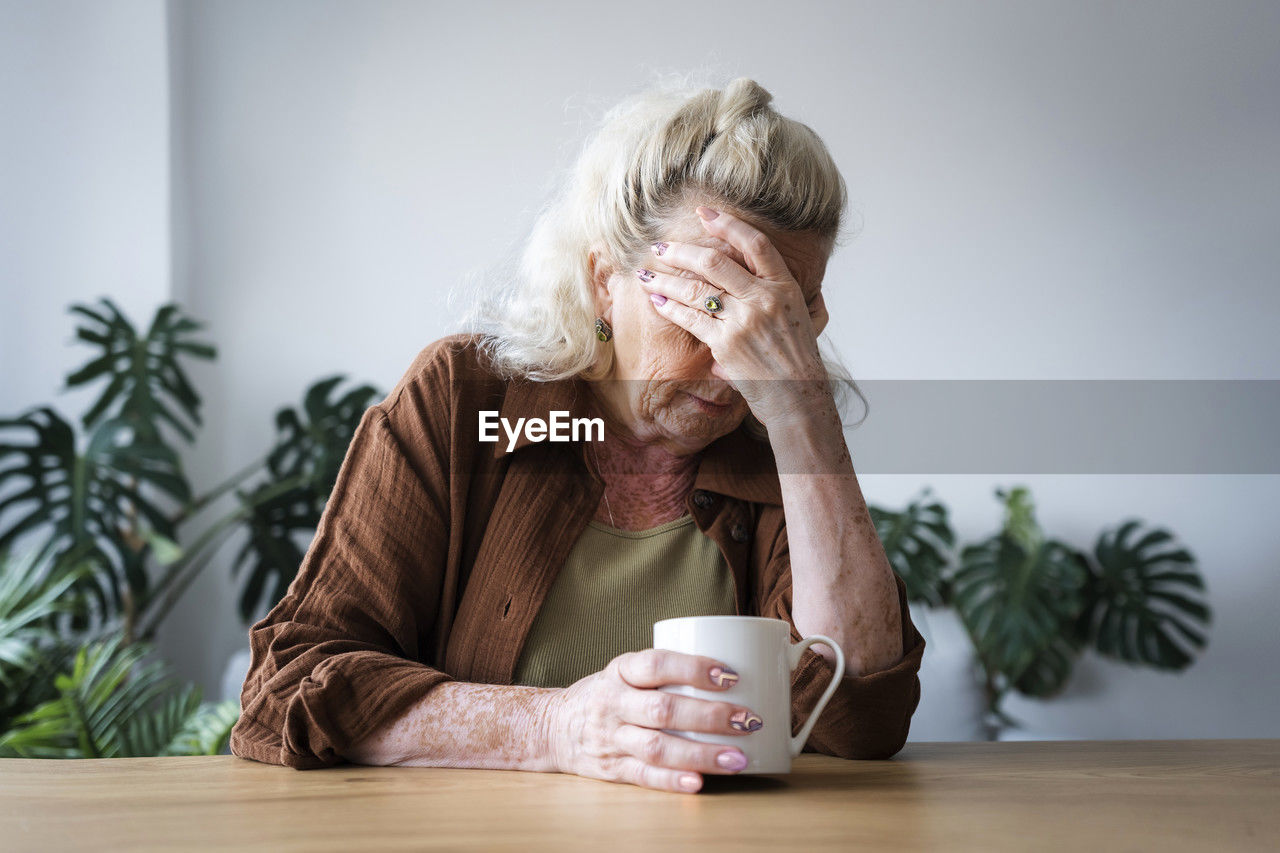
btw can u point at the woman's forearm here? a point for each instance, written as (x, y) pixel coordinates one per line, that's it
(464, 724)
(841, 582)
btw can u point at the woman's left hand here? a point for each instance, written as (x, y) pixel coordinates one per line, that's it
(764, 337)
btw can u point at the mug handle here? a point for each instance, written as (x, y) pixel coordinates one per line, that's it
(793, 655)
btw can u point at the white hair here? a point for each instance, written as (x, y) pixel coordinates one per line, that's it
(646, 156)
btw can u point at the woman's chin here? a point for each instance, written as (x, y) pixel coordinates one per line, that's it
(693, 423)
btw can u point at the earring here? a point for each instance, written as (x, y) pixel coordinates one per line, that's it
(603, 331)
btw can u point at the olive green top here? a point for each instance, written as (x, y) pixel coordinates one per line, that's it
(611, 589)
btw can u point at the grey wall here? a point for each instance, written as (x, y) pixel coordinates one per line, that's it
(1042, 190)
(84, 180)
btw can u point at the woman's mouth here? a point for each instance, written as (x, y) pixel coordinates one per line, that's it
(710, 407)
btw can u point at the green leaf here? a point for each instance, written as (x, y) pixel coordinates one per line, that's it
(148, 383)
(112, 704)
(1016, 593)
(308, 453)
(1020, 523)
(153, 732)
(107, 501)
(88, 500)
(917, 540)
(1050, 669)
(1146, 598)
(165, 550)
(271, 554)
(35, 598)
(206, 731)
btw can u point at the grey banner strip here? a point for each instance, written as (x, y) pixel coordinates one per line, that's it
(1007, 426)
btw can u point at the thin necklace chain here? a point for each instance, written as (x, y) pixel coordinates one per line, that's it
(604, 494)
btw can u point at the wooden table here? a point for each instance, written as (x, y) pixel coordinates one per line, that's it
(1095, 796)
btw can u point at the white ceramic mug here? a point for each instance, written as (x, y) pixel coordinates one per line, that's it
(760, 650)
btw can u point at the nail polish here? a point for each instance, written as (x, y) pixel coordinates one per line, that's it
(645, 275)
(659, 248)
(707, 213)
(731, 760)
(723, 676)
(746, 722)
(657, 299)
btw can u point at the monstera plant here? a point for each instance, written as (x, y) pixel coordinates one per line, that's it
(116, 518)
(1032, 604)
(301, 469)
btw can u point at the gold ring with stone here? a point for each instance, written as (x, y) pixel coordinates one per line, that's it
(713, 305)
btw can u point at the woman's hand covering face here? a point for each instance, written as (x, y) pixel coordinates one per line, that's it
(759, 323)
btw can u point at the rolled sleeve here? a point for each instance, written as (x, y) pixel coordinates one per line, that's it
(342, 652)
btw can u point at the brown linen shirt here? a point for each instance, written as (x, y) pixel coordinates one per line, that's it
(435, 552)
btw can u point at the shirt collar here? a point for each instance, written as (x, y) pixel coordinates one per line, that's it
(737, 465)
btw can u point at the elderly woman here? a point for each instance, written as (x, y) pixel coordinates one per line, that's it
(468, 602)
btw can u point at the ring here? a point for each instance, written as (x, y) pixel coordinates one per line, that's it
(713, 305)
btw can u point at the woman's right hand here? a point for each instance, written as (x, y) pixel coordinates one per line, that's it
(608, 724)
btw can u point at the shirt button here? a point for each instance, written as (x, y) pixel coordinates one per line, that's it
(739, 533)
(702, 499)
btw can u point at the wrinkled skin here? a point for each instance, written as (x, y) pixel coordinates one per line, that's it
(667, 397)
(666, 388)
(608, 725)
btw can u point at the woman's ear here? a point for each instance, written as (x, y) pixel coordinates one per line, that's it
(601, 271)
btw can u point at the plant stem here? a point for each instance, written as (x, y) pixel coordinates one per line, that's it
(183, 572)
(993, 705)
(196, 505)
(130, 615)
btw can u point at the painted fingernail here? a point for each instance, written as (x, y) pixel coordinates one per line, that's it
(645, 275)
(659, 248)
(708, 213)
(723, 676)
(657, 299)
(731, 760)
(689, 783)
(744, 721)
